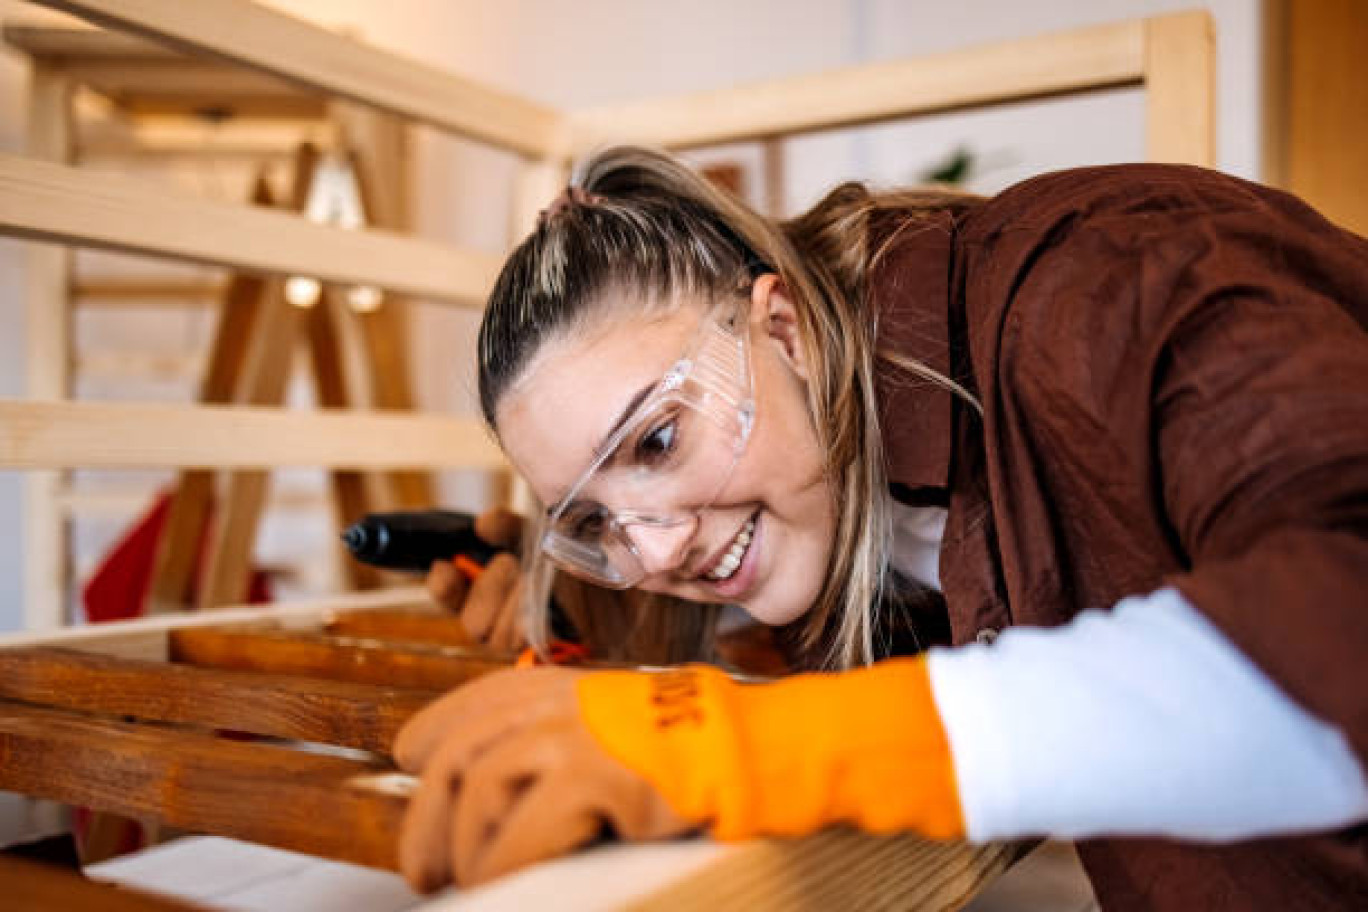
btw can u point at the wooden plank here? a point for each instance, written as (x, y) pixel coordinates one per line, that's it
(141, 292)
(837, 868)
(33, 887)
(178, 548)
(381, 161)
(362, 716)
(40, 435)
(403, 626)
(264, 39)
(365, 661)
(350, 493)
(146, 638)
(1325, 119)
(1074, 61)
(1180, 89)
(48, 369)
(323, 805)
(69, 205)
(270, 345)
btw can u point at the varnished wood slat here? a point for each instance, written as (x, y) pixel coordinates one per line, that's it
(322, 805)
(366, 661)
(33, 887)
(365, 716)
(403, 626)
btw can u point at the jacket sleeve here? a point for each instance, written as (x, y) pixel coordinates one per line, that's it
(1219, 327)
(1261, 414)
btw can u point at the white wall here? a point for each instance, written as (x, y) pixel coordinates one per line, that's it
(594, 51)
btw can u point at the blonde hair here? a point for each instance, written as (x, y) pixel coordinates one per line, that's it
(651, 226)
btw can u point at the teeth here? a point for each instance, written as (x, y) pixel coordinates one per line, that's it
(732, 559)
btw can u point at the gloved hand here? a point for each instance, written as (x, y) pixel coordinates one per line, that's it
(862, 747)
(510, 776)
(520, 766)
(490, 605)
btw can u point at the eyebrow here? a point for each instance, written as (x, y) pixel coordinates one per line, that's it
(627, 411)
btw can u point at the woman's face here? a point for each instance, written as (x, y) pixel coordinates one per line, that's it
(576, 388)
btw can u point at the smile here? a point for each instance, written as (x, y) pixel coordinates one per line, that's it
(727, 565)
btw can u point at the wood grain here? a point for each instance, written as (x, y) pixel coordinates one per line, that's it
(75, 206)
(321, 805)
(403, 626)
(146, 435)
(1075, 61)
(364, 716)
(264, 39)
(33, 887)
(365, 661)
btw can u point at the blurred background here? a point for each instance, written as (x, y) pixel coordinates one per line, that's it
(1293, 111)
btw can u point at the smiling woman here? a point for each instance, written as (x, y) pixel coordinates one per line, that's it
(1122, 407)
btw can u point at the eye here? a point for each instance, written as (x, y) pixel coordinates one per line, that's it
(655, 445)
(585, 520)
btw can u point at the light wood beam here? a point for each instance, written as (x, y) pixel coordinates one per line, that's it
(45, 435)
(1180, 89)
(48, 353)
(1080, 60)
(264, 39)
(68, 205)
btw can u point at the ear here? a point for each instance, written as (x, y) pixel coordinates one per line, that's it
(774, 315)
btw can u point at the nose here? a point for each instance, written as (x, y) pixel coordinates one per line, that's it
(662, 548)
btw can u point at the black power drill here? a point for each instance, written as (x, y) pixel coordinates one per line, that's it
(411, 541)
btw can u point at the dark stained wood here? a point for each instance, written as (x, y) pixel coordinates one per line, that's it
(33, 887)
(321, 805)
(365, 716)
(366, 661)
(403, 626)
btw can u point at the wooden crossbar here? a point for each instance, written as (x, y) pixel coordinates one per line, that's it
(365, 661)
(1074, 61)
(324, 805)
(264, 39)
(75, 206)
(121, 435)
(364, 716)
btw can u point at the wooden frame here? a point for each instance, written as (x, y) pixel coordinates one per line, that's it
(42, 197)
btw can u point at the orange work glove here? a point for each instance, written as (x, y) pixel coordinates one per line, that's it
(863, 747)
(510, 776)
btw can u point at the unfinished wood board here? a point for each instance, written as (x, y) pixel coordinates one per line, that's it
(47, 344)
(363, 716)
(1180, 89)
(264, 39)
(323, 805)
(69, 205)
(366, 661)
(1090, 58)
(119, 435)
(146, 638)
(33, 887)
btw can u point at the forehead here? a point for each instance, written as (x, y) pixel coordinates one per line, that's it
(576, 387)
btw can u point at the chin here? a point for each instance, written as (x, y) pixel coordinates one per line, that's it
(776, 612)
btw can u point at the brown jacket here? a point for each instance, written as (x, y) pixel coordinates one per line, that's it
(1173, 368)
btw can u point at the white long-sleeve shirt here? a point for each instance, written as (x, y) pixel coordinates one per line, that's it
(1142, 720)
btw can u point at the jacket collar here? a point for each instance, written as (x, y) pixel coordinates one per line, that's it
(909, 289)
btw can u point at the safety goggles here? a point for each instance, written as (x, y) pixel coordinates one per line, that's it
(678, 447)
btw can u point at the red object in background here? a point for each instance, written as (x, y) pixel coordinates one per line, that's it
(118, 588)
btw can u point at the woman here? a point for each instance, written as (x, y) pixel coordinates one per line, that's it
(1124, 409)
